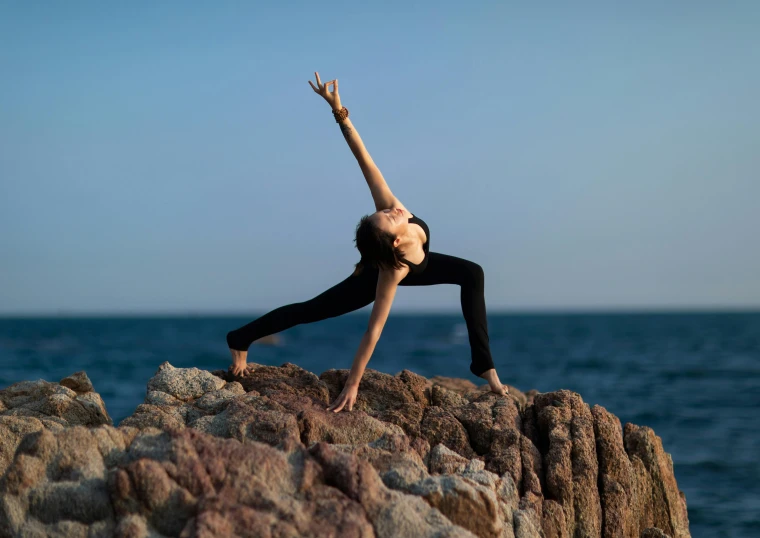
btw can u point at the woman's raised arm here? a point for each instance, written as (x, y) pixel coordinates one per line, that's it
(381, 193)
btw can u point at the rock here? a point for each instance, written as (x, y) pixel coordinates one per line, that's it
(465, 503)
(31, 406)
(653, 532)
(668, 512)
(252, 417)
(439, 425)
(617, 488)
(566, 430)
(445, 461)
(184, 383)
(391, 513)
(78, 382)
(289, 385)
(178, 396)
(210, 454)
(188, 483)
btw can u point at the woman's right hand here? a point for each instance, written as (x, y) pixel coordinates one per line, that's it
(346, 399)
(333, 99)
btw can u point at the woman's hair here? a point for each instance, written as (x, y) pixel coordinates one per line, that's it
(376, 247)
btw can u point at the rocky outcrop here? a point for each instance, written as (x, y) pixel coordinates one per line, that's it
(208, 454)
(30, 406)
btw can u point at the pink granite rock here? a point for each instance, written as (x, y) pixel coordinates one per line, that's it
(209, 454)
(29, 406)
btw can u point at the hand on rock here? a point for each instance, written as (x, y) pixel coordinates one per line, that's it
(347, 397)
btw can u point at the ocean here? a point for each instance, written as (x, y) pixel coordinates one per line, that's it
(692, 377)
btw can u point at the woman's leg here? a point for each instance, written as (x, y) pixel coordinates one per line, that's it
(445, 269)
(351, 294)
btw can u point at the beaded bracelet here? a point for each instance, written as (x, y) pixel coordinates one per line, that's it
(340, 115)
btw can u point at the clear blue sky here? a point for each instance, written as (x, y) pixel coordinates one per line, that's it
(173, 158)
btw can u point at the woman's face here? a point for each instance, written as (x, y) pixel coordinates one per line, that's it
(392, 221)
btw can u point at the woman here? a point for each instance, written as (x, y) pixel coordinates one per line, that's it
(394, 247)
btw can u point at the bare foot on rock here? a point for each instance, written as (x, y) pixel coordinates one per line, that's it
(239, 365)
(494, 383)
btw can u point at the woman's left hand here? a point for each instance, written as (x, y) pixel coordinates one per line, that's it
(347, 397)
(332, 98)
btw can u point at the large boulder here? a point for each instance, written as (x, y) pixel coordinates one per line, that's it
(211, 454)
(30, 406)
(127, 482)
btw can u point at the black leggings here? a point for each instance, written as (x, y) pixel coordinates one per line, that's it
(358, 291)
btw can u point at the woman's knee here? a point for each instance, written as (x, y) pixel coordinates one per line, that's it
(475, 274)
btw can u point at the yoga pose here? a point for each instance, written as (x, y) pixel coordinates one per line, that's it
(395, 251)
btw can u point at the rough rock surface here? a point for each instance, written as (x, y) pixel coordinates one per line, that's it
(208, 454)
(29, 406)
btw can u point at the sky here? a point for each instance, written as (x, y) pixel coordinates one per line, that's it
(172, 158)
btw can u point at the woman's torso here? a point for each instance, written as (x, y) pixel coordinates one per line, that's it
(417, 258)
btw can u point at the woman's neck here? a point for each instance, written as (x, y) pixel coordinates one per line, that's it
(409, 241)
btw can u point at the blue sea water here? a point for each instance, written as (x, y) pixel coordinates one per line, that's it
(694, 378)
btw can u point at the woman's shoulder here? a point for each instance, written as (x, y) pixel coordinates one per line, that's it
(392, 276)
(398, 205)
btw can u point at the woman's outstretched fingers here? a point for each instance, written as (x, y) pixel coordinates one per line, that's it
(334, 405)
(347, 397)
(340, 403)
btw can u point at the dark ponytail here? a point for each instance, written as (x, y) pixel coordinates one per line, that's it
(358, 267)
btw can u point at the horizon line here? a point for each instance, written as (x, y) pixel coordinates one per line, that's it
(495, 311)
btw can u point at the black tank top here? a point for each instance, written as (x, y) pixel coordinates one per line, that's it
(418, 268)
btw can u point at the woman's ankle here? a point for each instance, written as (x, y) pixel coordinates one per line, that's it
(489, 375)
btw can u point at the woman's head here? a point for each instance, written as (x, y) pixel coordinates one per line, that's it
(378, 237)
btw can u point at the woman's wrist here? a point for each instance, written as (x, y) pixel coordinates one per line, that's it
(338, 107)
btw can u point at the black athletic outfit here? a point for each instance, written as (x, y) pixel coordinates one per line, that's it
(357, 291)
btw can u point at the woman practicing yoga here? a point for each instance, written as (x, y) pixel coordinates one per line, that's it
(394, 248)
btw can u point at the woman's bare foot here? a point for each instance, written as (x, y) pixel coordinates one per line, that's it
(239, 364)
(494, 383)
